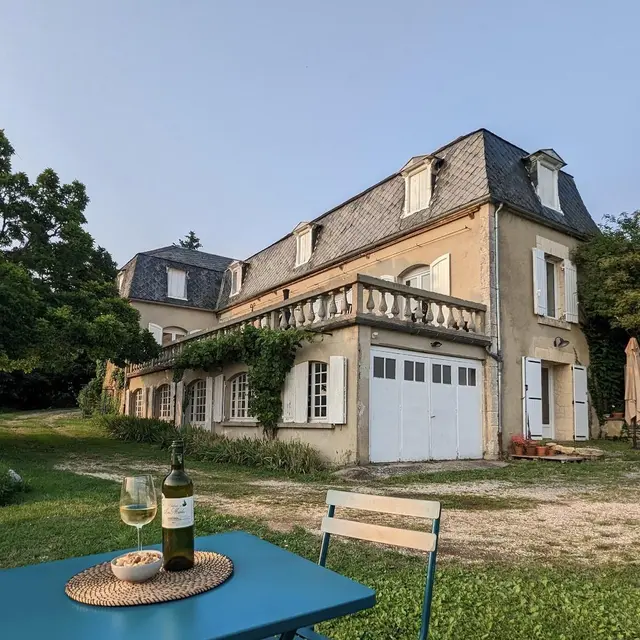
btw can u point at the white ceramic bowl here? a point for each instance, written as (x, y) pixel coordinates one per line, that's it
(140, 572)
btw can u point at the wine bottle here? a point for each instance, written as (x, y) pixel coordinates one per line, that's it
(177, 514)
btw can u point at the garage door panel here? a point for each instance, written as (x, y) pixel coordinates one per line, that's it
(414, 420)
(444, 436)
(469, 411)
(384, 401)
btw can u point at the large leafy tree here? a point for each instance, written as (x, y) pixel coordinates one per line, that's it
(58, 300)
(609, 290)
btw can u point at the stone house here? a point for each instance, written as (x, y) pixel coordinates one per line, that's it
(446, 304)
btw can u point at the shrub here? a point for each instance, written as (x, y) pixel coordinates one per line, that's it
(275, 455)
(9, 487)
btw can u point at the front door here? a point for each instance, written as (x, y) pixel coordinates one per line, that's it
(444, 419)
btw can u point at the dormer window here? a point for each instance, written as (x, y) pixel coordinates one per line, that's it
(544, 167)
(418, 180)
(236, 277)
(304, 233)
(176, 284)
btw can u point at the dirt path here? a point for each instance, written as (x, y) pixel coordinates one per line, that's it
(563, 523)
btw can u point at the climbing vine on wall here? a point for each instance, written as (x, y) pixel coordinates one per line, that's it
(269, 355)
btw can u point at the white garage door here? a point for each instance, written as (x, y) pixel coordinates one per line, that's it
(424, 407)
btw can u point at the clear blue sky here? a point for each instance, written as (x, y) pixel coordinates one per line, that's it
(239, 119)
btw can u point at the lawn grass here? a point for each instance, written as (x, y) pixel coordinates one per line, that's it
(67, 514)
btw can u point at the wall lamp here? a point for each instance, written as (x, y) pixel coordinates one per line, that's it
(559, 342)
(436, 343)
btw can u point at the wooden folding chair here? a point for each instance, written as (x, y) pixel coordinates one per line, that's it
(421, 540)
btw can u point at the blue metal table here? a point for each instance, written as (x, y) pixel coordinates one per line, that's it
(271, 592)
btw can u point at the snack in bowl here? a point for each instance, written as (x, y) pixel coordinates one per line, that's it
(137, 566)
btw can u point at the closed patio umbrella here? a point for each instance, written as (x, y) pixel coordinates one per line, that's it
(632, 386)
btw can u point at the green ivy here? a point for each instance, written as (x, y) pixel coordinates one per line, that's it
(269, 355)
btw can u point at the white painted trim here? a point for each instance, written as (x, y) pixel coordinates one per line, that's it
(552, 404)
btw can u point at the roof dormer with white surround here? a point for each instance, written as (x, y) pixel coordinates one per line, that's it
(419, 174)
(236, 269)
(304, 234)
(544, 167)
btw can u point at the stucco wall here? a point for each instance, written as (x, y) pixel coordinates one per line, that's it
(462, 238)
(172, 316)
(523, 334)
(336, 443)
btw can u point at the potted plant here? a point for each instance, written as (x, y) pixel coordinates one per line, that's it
(551, 448)
(530, 448)
(518, 443)
(541, 449)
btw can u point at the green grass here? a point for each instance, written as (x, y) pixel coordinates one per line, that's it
(66, 514)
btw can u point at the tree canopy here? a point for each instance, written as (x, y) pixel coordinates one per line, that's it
(610, 272)
(190, 241)
(58, 297)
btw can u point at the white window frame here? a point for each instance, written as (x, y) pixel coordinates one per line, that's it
(138, 403)
(120, 282)
(198, 401)
(552, 313)
(236, 279)
(174, 334)
(421, 274)
(164, 402)
(318, 390)
(411, 207)
(239, 399)
(555, 198)
(303, 247)
(173, 294)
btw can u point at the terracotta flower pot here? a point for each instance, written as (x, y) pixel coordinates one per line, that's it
(551, 451)
(541, 450)
(518, 449)
(530, 450)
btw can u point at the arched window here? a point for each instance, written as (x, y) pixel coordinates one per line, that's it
(418, 277)
(239, 398)
(169, 334)
(163, 395)
(137, 403)
(197, 402)
(317, 407)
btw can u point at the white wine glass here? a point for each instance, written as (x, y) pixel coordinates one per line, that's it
(138, 503)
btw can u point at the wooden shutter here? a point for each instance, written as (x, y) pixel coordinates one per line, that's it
(127, 403)
(218, 398)
(156, 332)
(301, 389)
(580, 403)
(151, 395)
(178, 403)
(539, 283)
(441, 275)
(570, 291)
(208, 408)
(532, 397)
(337, 391)
(289, 397)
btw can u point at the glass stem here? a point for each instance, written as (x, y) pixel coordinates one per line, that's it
(139, 528)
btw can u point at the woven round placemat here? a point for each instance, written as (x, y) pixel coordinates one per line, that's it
(98, 586)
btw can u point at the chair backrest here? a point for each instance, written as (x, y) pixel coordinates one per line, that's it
(420, 540)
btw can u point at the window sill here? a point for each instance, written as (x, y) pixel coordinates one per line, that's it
(176, 298)
(239, 423)
(554, 322)
(305, 425)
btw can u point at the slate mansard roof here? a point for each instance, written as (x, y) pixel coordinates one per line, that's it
(144, 277)
(474, 168)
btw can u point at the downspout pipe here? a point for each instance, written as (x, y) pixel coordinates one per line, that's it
(496, 240)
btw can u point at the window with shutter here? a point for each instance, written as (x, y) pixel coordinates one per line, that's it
(548, 186)
(303, 248)
(417, 191)
(176, 284)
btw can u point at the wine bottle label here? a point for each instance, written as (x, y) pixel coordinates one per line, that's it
(177, 513)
